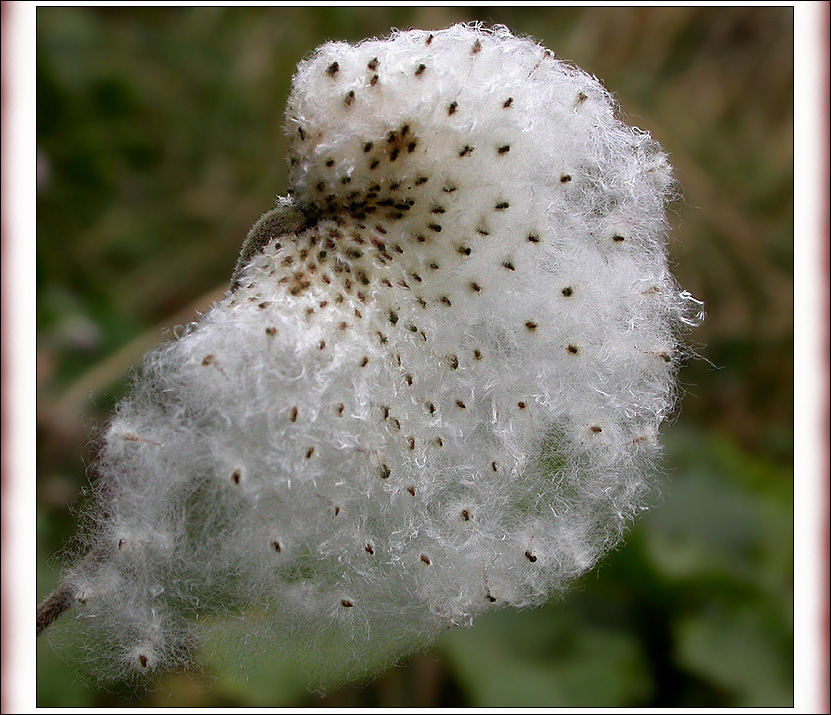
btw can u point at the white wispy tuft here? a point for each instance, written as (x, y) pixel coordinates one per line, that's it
(434, 389)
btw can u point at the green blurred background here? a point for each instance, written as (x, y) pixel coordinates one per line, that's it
(159, 138)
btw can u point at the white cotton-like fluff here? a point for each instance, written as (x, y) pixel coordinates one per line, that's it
(435, 387)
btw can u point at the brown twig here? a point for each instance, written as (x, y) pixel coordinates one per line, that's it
(60, 600)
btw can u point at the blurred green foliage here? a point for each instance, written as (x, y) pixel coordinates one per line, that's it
(159, 138)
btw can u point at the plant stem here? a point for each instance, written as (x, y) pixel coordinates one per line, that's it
(60, 600)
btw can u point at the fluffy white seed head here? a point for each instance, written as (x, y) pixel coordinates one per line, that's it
(436, 387)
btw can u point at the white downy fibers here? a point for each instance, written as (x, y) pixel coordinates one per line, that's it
(434, 388)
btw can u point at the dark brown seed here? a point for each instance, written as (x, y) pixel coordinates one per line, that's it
(373, 64)
(368, 147)
(510, 266)
(369, 549)
(573, 349)
(565, 178)
(236, 476)
(420, 70)
(425, 559)
(332, 69)
(504, 149)
(385, 471)
(465, 515)
(434, 227)
(531, 557)
(143, 660)
(596, 429)
(461, 405)
(618, 238)
(531, 325)
(452, 107)
(568, 292)
(477, 48)
(508, 102)
(465, 150)
(502, 205)
(521, 405)
(350, 97)
(293, 414)
(533, 238)
(271, 331)
(276, 546)
(346, 603)
(444, 299)
(421, 180)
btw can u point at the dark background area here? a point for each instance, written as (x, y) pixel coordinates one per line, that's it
(160, 143)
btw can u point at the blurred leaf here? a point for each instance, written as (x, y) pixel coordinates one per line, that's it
(736, 649)
(275, 680)
(725, 514)
(547, 658)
